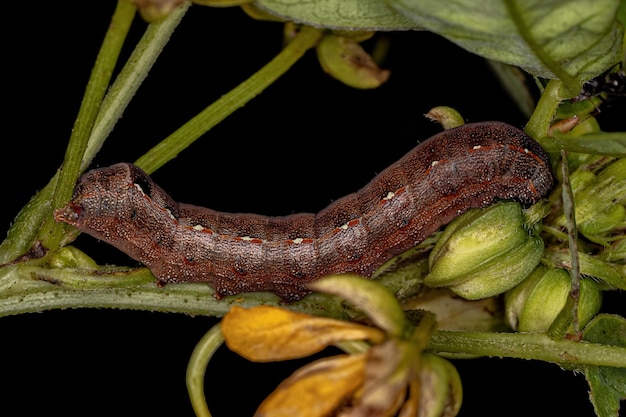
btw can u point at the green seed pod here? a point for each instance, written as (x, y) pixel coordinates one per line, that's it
(533, 305)
(484, 252)
(344, 59)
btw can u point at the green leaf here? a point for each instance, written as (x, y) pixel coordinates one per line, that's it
(571, 40)
(597, 143)
(339, 14)
(607, 384)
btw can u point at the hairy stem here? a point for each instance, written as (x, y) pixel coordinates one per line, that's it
(51, 232)
(537, 346)
(23, 233)
(25, 289)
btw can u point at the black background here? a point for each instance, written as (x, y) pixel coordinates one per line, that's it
(305, 141)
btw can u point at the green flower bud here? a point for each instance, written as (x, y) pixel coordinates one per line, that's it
(599, 199)
(71, 257)
(255, 12)
(221, 3)
(154, 10)
(548, 290)
(446, 116)
(484, 252)
(616, 252)
(534, 304)
(604, 221)
(503, 273)
(580, 179)
(589, 303)
(344, 59)
(441, 389)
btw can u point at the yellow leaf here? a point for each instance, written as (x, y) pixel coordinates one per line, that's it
(268, 333)
(316, 389)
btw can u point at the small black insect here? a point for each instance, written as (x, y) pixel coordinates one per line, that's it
(612, 83)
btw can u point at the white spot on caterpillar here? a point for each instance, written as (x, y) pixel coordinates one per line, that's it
(246, 238)
(137, 186)
(477, 147)
(298, 240)
(344, 226)
(389, 196)
(432, 164)
(526, 150)
(198, 227)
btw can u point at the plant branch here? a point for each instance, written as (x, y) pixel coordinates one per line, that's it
(537, 346)
(51, 232)
(127, 83)
(27, 289)
(196, 369)
(22, 234)
(227, 104)
(540, 120)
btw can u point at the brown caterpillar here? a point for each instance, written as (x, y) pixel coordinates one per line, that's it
(469, 166)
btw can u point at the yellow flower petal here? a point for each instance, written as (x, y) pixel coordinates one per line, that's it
(411, 407)
(316, 389)
(267, 333)
(368, 410)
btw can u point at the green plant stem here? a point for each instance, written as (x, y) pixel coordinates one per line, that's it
(51, 232)
(567, 195)
(196, 369)
(28, 289)
(537, 346)
(22, 295)
(133, 74)
(542, 117)
(23, 232)
(227, 104)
